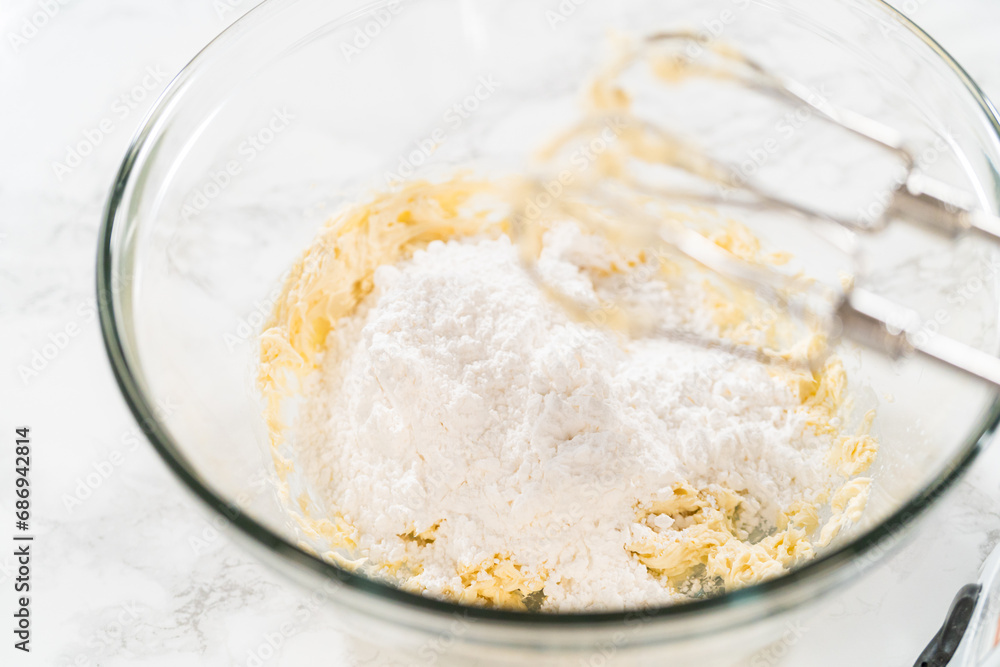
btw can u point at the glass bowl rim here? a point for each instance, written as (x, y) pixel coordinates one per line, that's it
(144, 412)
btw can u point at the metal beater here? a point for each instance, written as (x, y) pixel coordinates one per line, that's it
(851, 312)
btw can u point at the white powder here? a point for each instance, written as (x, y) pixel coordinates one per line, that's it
(460, 403)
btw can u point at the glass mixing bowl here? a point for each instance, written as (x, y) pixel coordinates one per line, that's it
(304, 105)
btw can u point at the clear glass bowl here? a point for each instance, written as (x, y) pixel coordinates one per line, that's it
(302, 106)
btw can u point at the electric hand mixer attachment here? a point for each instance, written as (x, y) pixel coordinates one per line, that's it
(628, 209)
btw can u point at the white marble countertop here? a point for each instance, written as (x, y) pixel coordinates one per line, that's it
(129, 570)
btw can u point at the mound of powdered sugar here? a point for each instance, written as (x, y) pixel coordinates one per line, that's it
(460, 416)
